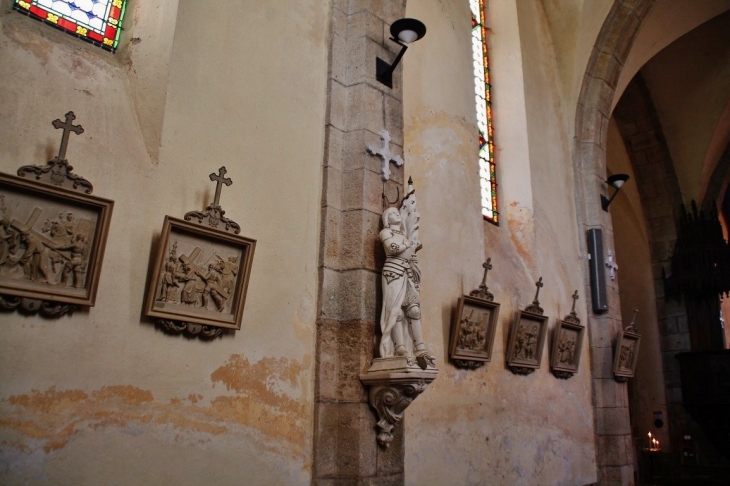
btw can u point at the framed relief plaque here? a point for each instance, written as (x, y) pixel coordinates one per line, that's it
(201, 272)
(52, 236)
(627, 352)
(472, 333)
(567, 345)
(527, 339)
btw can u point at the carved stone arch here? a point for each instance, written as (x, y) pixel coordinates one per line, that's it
(610, 400)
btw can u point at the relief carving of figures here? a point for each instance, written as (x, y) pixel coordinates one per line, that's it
(626, 355)
(526, 344)
(52, 252)
(566, 347)
(400, 319)
(473, 332)
(207, 286)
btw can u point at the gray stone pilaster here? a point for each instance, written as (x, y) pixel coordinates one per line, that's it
(359, 108)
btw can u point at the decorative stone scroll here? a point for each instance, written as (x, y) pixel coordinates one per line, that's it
(404, 368)
(472, 333)
(627, 352)
(527, 339)
(52, 235)
(567, 345)
(201, 272)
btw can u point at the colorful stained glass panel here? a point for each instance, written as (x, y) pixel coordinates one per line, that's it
(483, 101)
(97, 21)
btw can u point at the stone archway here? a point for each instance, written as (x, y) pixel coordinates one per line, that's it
(610, 401)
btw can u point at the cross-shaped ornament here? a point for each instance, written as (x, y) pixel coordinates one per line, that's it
(386, 155)
(612, 267)
(539, 285)
(483, 291)
(67, 127)
(487, 267)
(575, 299)
(535, 306)
(219, 180)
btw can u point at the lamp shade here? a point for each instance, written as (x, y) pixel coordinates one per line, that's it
(617, 180)
(407, 30)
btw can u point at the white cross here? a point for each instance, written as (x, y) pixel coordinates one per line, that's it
(612, 267)
(386, 155)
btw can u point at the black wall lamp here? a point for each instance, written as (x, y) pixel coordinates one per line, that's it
(616, 180)
(403, 32)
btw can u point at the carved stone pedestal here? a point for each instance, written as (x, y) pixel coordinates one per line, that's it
(394, 383)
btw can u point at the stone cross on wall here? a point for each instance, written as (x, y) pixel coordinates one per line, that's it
(67, 127)
(219, 180)
(612, 267)
(385, 154)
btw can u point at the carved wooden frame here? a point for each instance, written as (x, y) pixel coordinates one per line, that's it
(561, 370)
(238, 297)
(623, 374)
(524, 366)
(46, 193)
(468, 358)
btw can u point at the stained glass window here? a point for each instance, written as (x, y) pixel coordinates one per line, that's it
(483, 100)
(96, 21)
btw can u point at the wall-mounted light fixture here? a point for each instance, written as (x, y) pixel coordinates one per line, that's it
(616, 180)
(403, 32)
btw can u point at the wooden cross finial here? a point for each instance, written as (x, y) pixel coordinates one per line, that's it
(219, 179)
(386, 155)
(575, 299)
(539, 285)
(487, 267)
(67, 127)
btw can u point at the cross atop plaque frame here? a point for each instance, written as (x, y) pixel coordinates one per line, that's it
(472, 332)
(52, 235)
(567, 344)
(201, 272)
(527, 339)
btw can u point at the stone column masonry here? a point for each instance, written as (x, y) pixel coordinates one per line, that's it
(358, 109)
(614, 457)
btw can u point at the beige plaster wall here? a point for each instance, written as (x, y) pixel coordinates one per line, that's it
(636, 282)
(488, 425)
(689, 82)
(103, 397)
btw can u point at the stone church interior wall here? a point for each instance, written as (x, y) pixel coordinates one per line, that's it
(489, 423)
(103, 396)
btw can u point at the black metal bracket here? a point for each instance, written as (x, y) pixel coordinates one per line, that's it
(384, 71)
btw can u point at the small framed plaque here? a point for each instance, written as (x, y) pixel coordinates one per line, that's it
(627, 352)
(526, 342)
(52, 235)
(51, 241)
(527, 339)
(567, 344)
(200, 276)
(472, 334)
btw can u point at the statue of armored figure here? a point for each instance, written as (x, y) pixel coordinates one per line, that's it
(400, 319)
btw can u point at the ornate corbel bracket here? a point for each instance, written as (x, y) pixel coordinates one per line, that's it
(394, 384)
(35, 306)
(190, 329)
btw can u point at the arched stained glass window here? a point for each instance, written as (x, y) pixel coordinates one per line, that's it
(483, 100)
(96, 21)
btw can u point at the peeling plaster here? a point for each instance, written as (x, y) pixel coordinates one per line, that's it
(50, 419)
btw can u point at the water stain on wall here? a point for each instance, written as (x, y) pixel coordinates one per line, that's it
(49, 419)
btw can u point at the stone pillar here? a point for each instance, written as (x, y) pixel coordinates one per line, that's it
(358, 109)
(614, 457)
